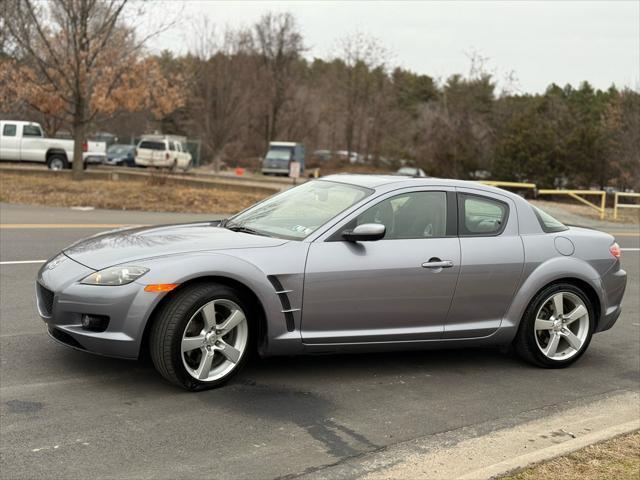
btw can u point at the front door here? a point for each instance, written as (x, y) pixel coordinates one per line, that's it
(398, 288)
(9, 142)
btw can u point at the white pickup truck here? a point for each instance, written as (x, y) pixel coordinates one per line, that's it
(24, 142)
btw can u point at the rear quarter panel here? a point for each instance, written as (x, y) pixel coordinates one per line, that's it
(544, 265)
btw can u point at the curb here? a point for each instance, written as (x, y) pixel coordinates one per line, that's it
(497, 447)
(549, 453)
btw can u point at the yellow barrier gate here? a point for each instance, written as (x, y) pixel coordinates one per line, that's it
(497, 183)
(576, 194)
(617, 205)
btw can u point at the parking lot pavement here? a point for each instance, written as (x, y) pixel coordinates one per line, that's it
(66, 414)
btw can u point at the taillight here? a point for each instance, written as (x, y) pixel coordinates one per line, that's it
(615, 250)
(85, 147)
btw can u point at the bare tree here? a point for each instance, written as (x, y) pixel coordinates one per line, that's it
(79, 53)
(361, 54)
(280, 45)
(222, 86)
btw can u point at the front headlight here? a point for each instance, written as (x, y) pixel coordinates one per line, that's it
(115, 275)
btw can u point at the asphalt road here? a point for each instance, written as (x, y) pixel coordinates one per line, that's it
(67, 414)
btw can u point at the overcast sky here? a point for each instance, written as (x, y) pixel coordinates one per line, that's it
(542, 42)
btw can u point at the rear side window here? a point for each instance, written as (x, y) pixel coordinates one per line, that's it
(31, 131)
(9, 130)
(149, 145)
(547, 222)
(481, 216)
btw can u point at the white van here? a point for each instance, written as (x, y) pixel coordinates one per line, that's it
(163, 151)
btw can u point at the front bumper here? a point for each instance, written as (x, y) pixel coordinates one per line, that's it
(62, 301)
(278, 171)
(95, 159)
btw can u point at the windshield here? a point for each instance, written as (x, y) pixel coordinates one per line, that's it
(298, 212)
(547, 222)
(279, 154)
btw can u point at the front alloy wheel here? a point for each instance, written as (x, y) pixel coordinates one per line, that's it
(202, 335)
(214, 340)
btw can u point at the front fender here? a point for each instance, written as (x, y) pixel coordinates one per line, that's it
(184, 268)
(541, 275)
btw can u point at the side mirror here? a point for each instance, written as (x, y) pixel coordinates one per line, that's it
(365, 232)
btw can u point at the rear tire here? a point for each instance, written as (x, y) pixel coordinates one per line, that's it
(203, 336)
(556, 328)
(57, 162)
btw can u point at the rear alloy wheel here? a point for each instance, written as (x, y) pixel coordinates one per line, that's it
(557, 327)
(202, 336)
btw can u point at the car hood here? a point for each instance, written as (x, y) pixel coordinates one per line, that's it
(127, 245)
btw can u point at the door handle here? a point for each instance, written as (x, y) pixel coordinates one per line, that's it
(437, 263)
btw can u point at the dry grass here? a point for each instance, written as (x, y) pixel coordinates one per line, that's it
(615, 459)
(151, 195)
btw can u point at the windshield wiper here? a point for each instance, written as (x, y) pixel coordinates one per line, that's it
(243, 229)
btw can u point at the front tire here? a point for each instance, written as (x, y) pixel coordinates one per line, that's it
(202, 336)
(556, 328)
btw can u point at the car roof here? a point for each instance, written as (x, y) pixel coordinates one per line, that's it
(20, 122)
(162, 137)
(383, 182)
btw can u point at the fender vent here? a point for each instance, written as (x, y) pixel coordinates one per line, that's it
(284, 301)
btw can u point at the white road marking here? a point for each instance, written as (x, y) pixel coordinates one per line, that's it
(22, 262)
(630, 249)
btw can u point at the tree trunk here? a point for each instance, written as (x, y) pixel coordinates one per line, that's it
(78, 140)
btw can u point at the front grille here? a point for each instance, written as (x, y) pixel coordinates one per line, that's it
(45, 299)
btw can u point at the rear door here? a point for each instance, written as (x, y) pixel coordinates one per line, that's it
(491, 264)
(390, 289)
(9, 142)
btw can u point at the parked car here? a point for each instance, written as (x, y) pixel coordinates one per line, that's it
(385, 263)
(411, 172)
(322, 156)
(165, 151)
(279, 157)
(352, 157)
(25, 142)
(121, 155)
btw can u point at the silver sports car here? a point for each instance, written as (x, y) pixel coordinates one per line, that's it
(346, 263)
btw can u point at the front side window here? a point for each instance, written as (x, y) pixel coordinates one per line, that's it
(31, 131)
(481, 215)
(9, 130)
(410, 215)
(298, 212)
(172, 146)
(547, 222)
